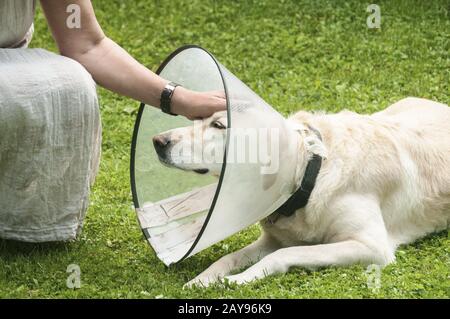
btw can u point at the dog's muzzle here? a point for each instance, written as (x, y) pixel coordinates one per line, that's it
(161, 144)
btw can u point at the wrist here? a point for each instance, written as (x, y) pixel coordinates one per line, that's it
(166, 100)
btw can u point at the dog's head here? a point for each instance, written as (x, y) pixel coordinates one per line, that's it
(199, 147)
(268, 145)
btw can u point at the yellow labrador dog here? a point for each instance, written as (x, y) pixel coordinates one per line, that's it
(385, 182)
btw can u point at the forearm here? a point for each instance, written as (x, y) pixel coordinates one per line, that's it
(114, 69)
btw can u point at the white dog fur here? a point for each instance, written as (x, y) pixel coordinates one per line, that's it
(385, 182)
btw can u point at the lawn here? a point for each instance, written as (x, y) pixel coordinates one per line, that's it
(311, 55)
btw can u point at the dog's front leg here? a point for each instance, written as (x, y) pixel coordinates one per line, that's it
(360, 236)
(334, 254)
(236, 260)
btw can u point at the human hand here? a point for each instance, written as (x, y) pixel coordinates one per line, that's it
(197, 105)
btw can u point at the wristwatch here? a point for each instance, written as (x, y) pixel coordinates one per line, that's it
(166, 97)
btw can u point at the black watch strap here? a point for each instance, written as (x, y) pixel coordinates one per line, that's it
(166, 97)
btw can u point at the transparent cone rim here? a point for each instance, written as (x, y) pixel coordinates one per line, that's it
(135, 137)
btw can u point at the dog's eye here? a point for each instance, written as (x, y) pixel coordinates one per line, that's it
(218, 125)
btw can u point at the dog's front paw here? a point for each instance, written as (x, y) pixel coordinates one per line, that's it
(202, 282)
(239, 279)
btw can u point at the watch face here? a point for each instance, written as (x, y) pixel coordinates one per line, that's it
(197, 183)
(171, 86)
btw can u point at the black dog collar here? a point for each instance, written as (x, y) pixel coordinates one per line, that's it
(300, 197)
(166, 97)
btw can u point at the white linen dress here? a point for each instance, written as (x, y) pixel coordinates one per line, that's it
(50, 134)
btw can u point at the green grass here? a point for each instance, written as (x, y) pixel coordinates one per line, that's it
(309, 55)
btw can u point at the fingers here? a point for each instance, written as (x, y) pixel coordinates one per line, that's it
(209, 110)
(218, 93)
(219, 105)
(198, 105)
(210, 103)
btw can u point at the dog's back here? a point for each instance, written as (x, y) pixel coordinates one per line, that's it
(401, 154)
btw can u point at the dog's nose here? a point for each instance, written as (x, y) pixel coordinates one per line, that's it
(160, 142)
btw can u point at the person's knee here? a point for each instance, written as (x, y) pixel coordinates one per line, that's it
(78, 92)
(77, 79)
(48, 90)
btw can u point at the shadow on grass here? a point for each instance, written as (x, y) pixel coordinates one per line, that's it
(12, 248)
(430, 238)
